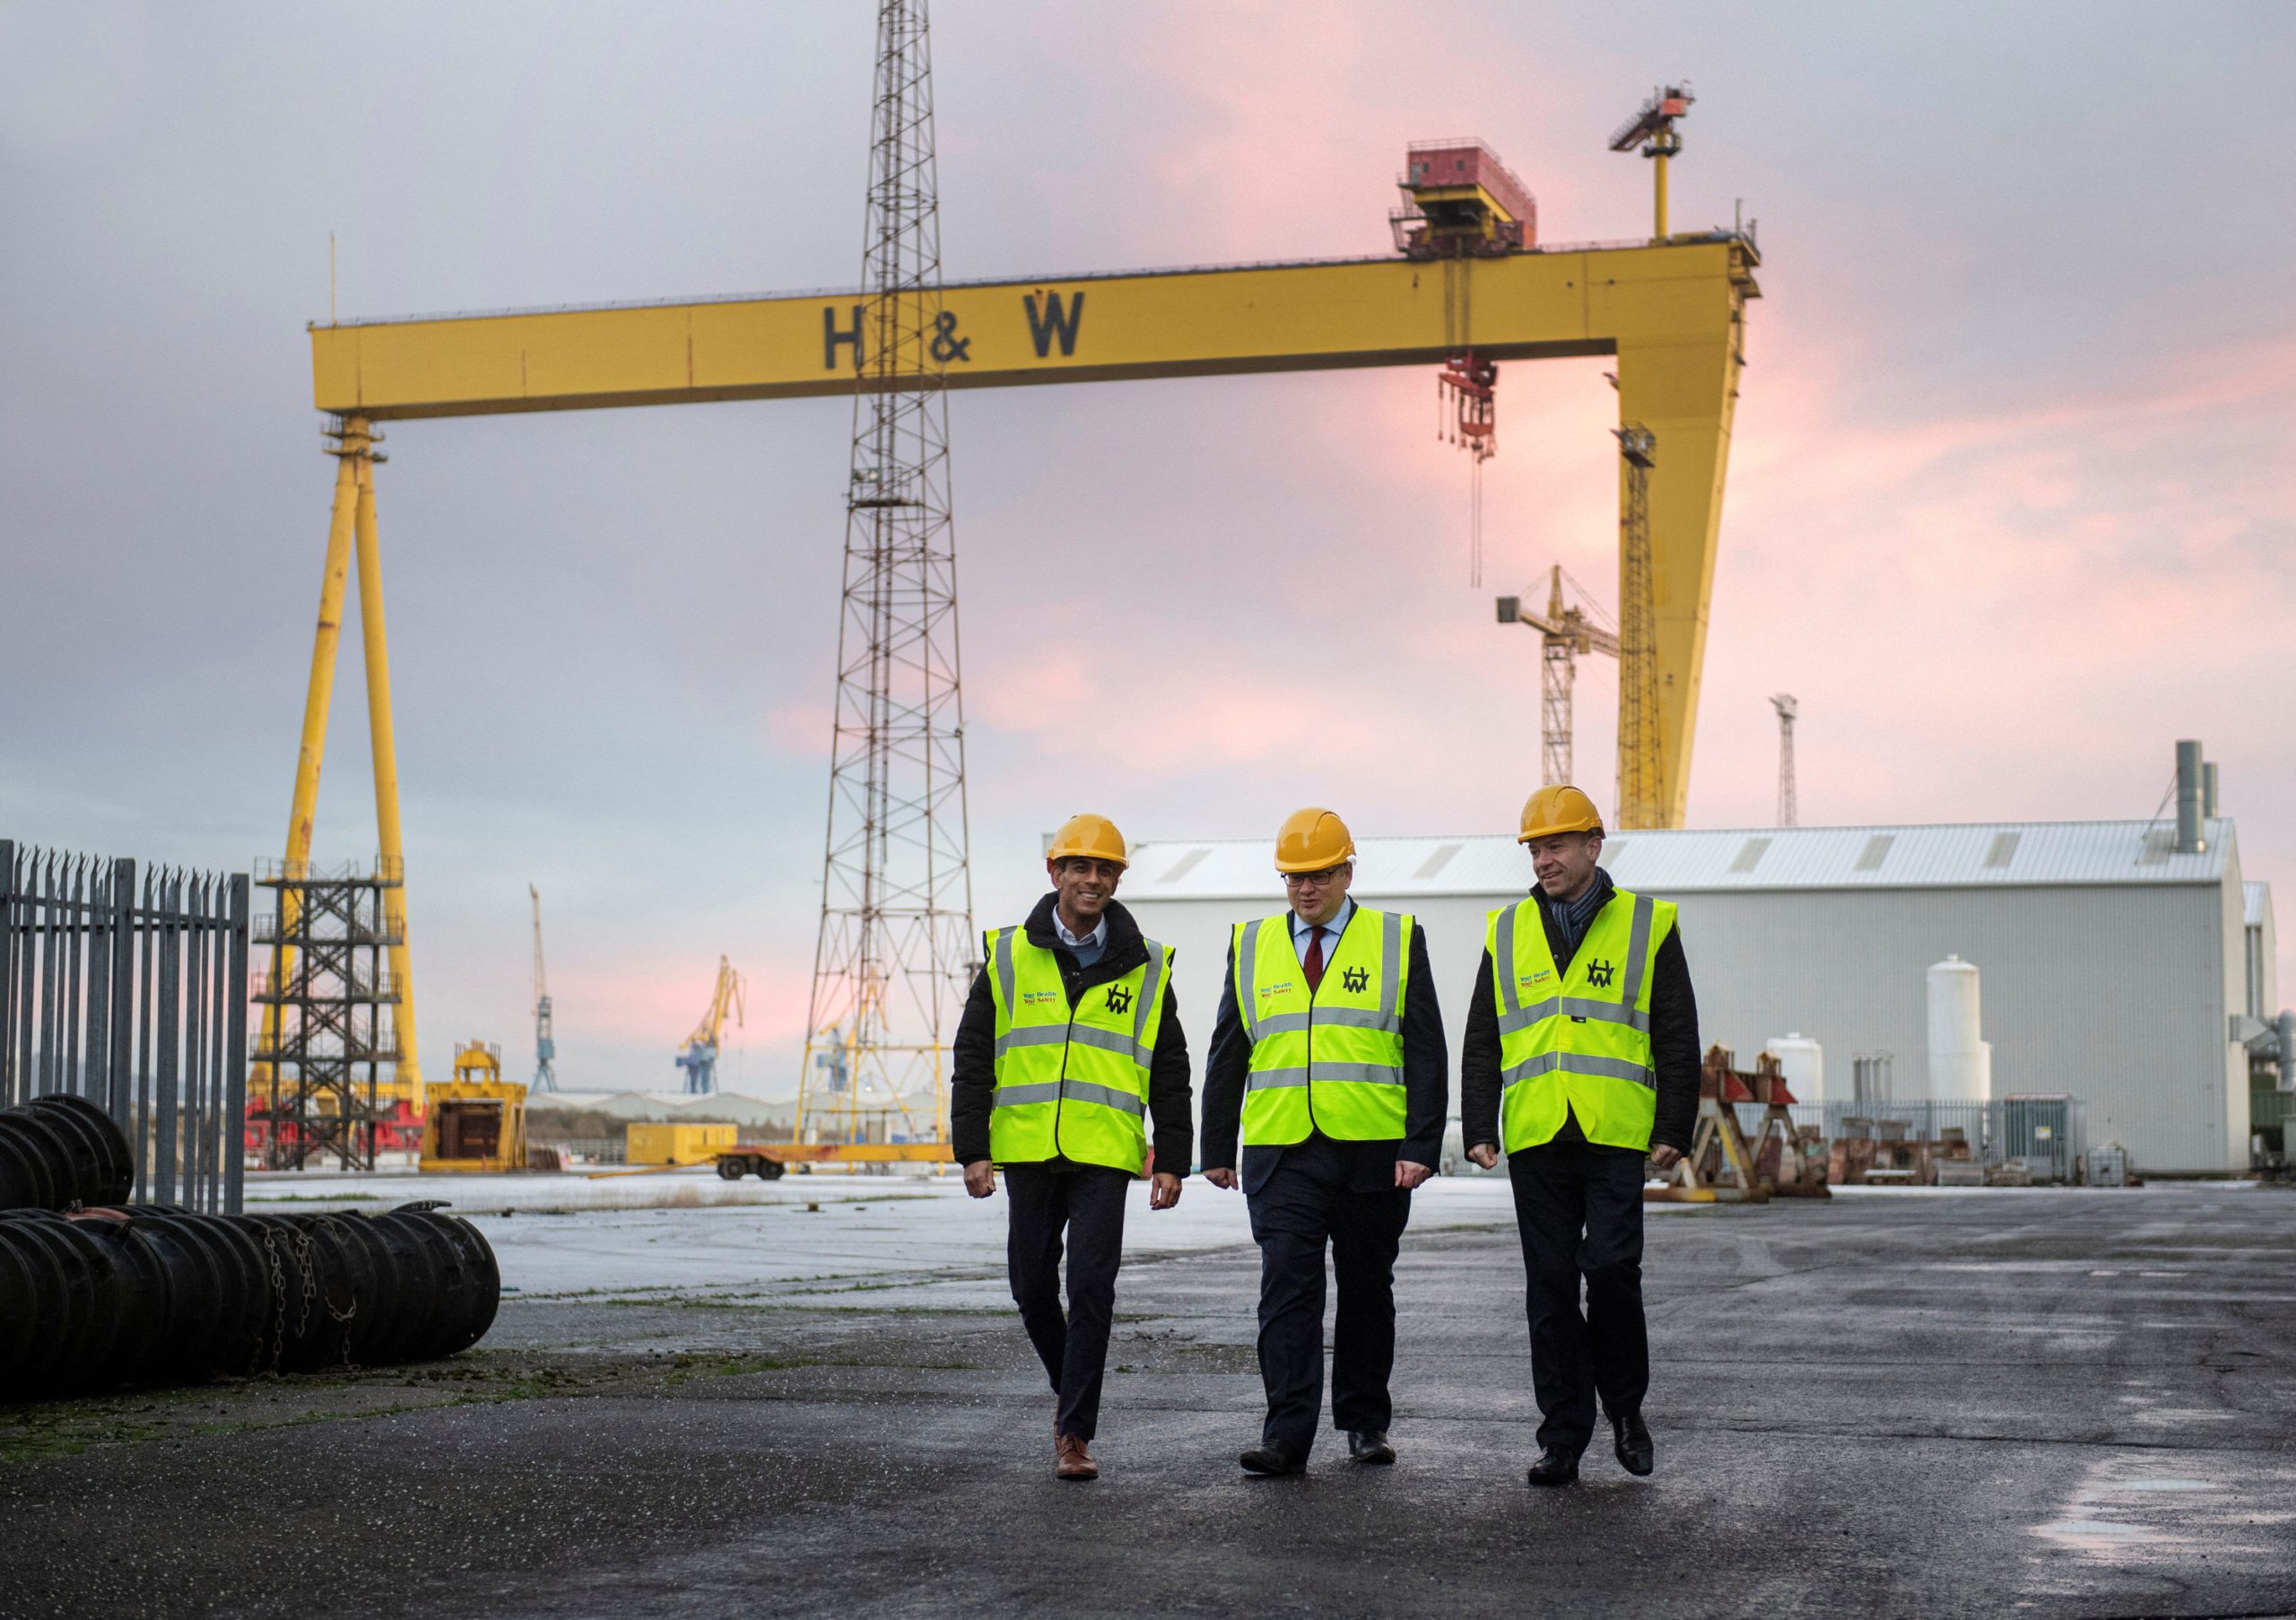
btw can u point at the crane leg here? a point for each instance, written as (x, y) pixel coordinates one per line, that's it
(319, 696)
(1685, 392)
(385, 741)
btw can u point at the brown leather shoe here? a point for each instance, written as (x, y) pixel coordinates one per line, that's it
(1073, 1458)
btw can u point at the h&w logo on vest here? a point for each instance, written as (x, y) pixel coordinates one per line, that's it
(1119, 999)
(1600, 973)
(1356, 981)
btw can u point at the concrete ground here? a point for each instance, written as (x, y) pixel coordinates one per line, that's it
(2055, 1403)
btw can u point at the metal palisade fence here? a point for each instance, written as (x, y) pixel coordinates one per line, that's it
(133, 994)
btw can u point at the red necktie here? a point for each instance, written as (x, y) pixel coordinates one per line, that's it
(1314, 959)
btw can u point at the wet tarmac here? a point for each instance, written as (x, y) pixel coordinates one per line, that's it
(2038, 1402)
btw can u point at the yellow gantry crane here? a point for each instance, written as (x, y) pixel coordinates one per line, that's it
(1669, 311)
(699, 1056)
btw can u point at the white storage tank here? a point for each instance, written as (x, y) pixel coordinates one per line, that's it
(1803, 1062)
(1960, 1061)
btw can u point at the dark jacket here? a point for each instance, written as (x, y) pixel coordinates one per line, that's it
(973, 1076)
(1674, 1041)
(1426, 1076)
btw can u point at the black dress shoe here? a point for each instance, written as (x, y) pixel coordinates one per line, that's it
(1555, 1467)
(1370, 1445)
(1272, 1457)
(1636, 1454)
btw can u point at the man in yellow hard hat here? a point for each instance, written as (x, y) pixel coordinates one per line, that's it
(1328, 1053)
(1069, 1044)
(1580, 1059)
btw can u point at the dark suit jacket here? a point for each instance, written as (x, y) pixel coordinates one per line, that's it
(1427, 1086)
(972, 1083)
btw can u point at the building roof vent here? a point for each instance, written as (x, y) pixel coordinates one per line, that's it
(1876, 851)
(1750, 855)
(2005, 845)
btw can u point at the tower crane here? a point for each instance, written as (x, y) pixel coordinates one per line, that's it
(699, 1059)
(545, 1044)
(1564, 633)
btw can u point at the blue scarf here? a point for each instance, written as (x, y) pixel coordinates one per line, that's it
(1572, 918)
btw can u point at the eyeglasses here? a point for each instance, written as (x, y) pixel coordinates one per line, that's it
(1313, 880)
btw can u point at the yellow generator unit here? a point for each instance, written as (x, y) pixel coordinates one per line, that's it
(476, 1121)
(650, 1143)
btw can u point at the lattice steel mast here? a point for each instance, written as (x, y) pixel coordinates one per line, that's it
(895, 951)
(1789, 711)
(1641, 773)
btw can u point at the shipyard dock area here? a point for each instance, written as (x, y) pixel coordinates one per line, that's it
(2050, 1402)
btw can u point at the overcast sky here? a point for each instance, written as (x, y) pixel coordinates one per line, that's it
(2010, 505)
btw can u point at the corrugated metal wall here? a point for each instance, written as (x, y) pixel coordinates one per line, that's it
(2116, 995)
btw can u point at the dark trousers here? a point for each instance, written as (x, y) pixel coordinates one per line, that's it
(1304, 1204)
(1088, 1204)
(1579, 1210)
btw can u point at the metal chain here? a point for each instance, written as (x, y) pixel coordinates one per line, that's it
(278, 1296)
(311, 1284)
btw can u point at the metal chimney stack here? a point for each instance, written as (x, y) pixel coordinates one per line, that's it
(2208, 799)
(2191, 830)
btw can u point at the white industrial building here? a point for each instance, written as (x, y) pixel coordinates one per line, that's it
(2111, 965)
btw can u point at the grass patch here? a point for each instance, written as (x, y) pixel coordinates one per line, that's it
(317, 1198)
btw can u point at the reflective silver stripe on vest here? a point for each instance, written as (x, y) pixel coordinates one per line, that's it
(1106, 1041)
(1036, 1034)
(1107, 1096)
(1638, 948)
(1573, 1006)
(1043, 1091)
(1502, 966)
(1355, 1018)
(1356, 1074)
(1575, 1063)
(1283, 1023)
(1247, 967)
(1266, 1079)
(1074, 1091)
(1152, 995)
(1004, 971)
(1390, 966)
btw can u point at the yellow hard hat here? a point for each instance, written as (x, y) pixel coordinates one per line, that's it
(1093, 837)
(1553, 810)
(1312, 840)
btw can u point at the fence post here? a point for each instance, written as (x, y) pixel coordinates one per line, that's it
(121, 1093)
(235, 1054)
(11, 1012)
(166, 926)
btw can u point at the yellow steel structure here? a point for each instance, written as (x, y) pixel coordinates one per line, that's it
(351, 530)
(1671, 312)
(476, 1121)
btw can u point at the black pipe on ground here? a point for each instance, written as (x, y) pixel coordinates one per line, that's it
(60, 1150)
(153, 1294)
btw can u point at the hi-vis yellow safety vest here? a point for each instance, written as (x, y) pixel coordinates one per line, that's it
(1580, 1038)
(1072, 1082)
(1331, 1061)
